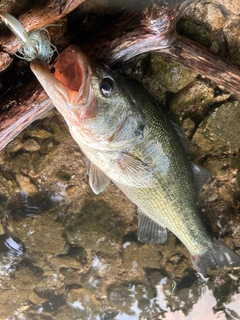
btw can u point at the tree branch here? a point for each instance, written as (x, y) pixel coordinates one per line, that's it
(150, 29)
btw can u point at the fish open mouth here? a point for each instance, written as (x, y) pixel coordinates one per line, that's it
(67, 71)
(71, 69)
(67, 79)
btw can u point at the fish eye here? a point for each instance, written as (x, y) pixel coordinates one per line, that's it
(106, 87)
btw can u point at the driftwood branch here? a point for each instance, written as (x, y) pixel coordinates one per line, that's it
(130, 36)
(204, 62)
(150, 29)
(139, 31)
(18, 114)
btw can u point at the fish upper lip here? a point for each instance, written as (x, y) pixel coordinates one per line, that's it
(70, 77)
(48, 82)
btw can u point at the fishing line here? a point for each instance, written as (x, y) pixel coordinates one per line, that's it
(34, 45)
(37, 47)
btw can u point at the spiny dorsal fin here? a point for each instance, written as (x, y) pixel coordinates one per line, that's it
(98, 181)
(149, 231)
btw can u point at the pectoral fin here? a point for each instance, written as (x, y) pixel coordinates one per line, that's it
(129, 164)
(150, 231)
(98, 181)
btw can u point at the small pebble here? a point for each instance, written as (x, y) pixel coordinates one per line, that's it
(31, 145)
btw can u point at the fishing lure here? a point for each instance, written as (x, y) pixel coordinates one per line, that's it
(35, 45)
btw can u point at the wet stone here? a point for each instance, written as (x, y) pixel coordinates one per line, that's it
(40, 133)
(35, 299)
(236, 232)
(80, 299)
(48, 146)
(136, 255)
(124, 296)
(71, 190)
(229, 5)
(22, 163)
(220, 132)
(169, 256)
(57, 126)
(2, 231)
(26, 185)
(15, 290)
(14, 146)
(75, 259)
(188, 127)
(51, 285)
(195, 31)
(6, 186)
(170, 74)
(220, 168)
(226, 193)
(101, 222)
(39, 164)
(215, 16)
(71, 276)
(41, 233)
(42, 158)
(232, 35)
(31, 145)
(188, 101)
(177, 266)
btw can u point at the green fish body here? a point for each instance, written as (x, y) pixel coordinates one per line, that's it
(128, 140)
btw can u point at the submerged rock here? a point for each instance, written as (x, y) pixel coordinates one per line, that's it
(171, 75)
(219, 133)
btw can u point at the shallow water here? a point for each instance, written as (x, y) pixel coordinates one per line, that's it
(83, 283)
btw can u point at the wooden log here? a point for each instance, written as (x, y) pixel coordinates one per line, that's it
(18, 113)
(149, 29)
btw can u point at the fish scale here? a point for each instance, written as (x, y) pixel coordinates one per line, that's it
(127, 139)
(170, 204)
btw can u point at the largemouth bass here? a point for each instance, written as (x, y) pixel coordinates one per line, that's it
(127, 139)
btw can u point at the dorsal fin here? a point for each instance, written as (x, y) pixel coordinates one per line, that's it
(181, 135)
(201, 174)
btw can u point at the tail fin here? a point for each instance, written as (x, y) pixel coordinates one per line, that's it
(220, 255)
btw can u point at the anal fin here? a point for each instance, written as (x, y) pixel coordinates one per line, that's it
(149, 231)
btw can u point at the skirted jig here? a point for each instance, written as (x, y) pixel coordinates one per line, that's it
(35, 45)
